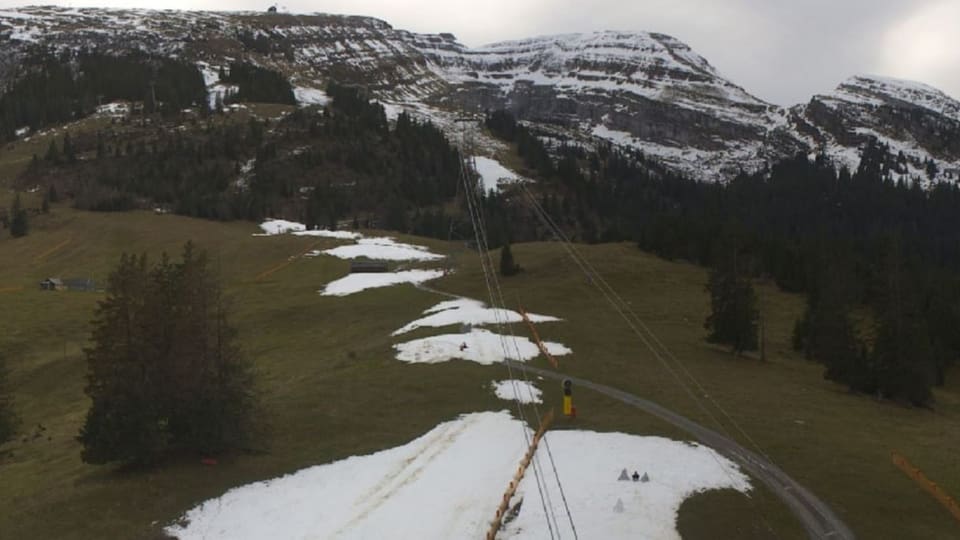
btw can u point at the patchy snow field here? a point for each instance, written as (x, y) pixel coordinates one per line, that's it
(467, 311)
(383, 249)
(310, 96)
(354, 283)
(515, 390)
(448, 482)
(482, 347)
(492, 173)
(281, 226)
(273, 227)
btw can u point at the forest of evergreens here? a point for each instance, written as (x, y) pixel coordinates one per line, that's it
(853, 242)
(58, 88)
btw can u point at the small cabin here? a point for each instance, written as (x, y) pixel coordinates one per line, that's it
(52, 284)
(368, 267)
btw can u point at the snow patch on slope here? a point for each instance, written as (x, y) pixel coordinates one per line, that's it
(310, 96)
(354, 283)
(458, 471)
(467, 311)
(480, 346)
(273, 227)
(493, 173)
(383, 249)
(514, 390)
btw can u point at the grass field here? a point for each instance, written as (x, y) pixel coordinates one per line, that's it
(332, 389)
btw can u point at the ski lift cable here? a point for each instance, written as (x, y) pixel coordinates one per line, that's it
(595, 275)
(647, 336)
(480, 237)
(499, 299)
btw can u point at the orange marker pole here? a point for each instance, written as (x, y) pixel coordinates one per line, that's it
(536, 337)
(928, 485)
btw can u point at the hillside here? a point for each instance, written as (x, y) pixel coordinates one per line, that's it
(643, 90)
(343, 175)
(333, 389)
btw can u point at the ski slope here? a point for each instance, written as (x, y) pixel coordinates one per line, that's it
(447, 483)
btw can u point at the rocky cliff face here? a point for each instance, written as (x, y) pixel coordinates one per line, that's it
(644, 90)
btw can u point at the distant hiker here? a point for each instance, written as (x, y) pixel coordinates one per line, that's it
(636, 476)
(463, 346)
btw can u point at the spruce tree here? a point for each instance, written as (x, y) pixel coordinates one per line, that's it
(164, 371)
(53, 153)
(826, 333)
(19, 224)
(508, 266)
(733, 308)
(69, 153)
(903, 352)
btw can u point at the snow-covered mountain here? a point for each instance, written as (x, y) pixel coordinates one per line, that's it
(919, 124)
(644, 90)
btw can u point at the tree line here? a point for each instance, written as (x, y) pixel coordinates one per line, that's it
(321, 166)
(56, 88)
(877, 257)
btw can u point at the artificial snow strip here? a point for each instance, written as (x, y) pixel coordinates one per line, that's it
(354, 283)
(467, 311)
(480, 346)
(448, 482)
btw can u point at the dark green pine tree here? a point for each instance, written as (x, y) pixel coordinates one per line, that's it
(53, 153)
(826, 333)
(903, 352)
(19, 223)
(69, 152)
(8, 417)
(733, 308)
(124, 422)
(164, 370)
(508, 267)
(832, 341)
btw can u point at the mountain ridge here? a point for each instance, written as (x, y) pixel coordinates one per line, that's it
(645, 90)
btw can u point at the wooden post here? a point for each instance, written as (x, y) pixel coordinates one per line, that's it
(515, 483)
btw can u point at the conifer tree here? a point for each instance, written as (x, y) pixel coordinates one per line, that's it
(69, 153)
(508, 266)
(19, 225)
(826, 333)
(164, 371)
(53, 153)
(733, 308)
(903, 354)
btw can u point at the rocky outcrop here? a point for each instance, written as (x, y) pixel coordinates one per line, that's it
(912, 119)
